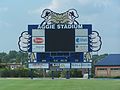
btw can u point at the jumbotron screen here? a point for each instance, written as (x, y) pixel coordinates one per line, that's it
(60, 40)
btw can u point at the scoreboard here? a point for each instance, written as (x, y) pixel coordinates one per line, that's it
(59, 47)
(64, 39)
(59, 42)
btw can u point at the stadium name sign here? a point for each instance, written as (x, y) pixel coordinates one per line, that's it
(61, 26)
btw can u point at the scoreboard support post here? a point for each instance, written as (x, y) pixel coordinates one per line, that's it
(89, 73)
(31, 73)
(68, 74)
(52, 74)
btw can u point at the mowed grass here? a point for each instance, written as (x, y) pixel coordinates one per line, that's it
(72, 84)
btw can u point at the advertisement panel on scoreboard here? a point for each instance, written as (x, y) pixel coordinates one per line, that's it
(86, 65)
(38, 48)
(76, 65)
(38, 65)
(81, 65)
(38, 32)
(38, 40)
(64, 65)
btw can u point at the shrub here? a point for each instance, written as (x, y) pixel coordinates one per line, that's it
(20, 72)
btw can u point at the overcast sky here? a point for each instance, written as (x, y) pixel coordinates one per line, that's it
(104, 15)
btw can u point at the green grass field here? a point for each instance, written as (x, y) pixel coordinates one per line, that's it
(72, 84)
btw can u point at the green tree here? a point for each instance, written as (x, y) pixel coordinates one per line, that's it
(21, 57)
(3, 57)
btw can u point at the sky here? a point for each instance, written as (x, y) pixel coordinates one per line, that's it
(104, 15)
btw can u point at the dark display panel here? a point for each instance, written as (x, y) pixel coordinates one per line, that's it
(60, 40)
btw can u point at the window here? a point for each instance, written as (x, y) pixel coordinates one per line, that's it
(115, 69)
(101, 68)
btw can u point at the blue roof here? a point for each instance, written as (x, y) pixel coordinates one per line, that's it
(110, 60)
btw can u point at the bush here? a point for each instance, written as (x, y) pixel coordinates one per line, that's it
(56, 74)
(76, 73)
(21, 72)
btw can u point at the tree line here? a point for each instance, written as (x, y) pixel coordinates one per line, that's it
(13, 57)
(20, 57)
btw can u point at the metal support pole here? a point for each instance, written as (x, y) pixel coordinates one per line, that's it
(31, 73)
(44, 72)
(89, 73)
(67, 75)
(52, 74)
